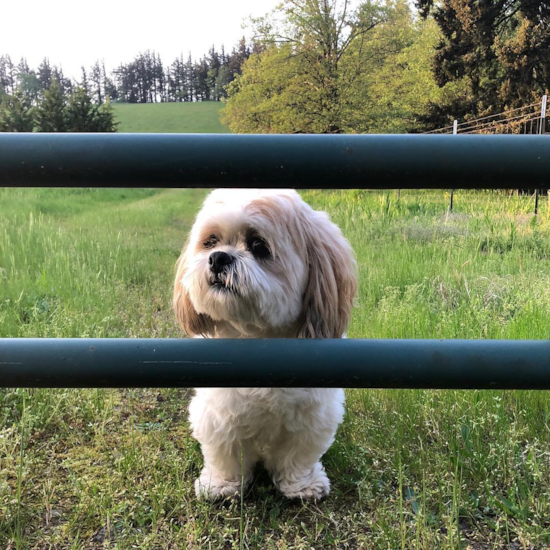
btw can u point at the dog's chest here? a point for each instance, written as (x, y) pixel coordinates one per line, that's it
(264, 412)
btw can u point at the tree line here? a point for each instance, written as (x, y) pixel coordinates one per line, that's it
(145, 79)
(54, 109)
(45, 100)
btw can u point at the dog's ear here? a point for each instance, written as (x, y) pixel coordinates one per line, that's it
(332, 284)
(193, 323)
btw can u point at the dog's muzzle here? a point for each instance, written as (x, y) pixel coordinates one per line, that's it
(219, 263)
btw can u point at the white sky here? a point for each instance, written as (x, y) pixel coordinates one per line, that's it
(72, 33)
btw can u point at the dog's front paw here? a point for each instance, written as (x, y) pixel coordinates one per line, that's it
(313, 485)
(210, 486)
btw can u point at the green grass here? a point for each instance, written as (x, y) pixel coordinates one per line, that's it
(201, 117)
(409, 469)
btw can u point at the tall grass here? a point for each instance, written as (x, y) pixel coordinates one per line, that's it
(409, 469)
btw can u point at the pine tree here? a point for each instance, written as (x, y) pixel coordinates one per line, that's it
(201, 80)
(50, 116)
(27, 81)
(160, 75)
(44, 74)
(97, 82)
(84, 83)
(7, 75)
(105, 118)
(190, 80)
(80, 112)
(111, 92)
(83, 116)
(65, 83)
(498, 49)
(238, 56)
(16, 113)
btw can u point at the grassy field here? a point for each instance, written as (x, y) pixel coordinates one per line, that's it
(409, 469)
(201, 118)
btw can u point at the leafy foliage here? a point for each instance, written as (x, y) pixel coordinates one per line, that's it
(328, 70)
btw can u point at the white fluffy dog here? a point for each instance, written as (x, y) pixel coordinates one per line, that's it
(263, 264)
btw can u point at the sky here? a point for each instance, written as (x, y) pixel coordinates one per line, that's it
(72, 33)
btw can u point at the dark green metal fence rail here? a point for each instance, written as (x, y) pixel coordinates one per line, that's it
(444, 364)
(300, 161)
(367, 162)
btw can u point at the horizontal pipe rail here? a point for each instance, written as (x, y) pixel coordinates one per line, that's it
(299, 161)
(138, 363)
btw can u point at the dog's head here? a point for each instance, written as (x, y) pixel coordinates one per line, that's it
(263, 263)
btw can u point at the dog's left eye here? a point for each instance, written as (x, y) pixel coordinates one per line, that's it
(258, 247)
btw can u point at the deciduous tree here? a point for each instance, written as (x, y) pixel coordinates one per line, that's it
(329, 69)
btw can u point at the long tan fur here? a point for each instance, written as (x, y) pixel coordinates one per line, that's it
(329, 295)
(193, 323)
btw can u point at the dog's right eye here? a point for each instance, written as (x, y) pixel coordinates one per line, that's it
(210, 242)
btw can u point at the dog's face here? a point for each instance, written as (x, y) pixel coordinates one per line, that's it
(263, 263)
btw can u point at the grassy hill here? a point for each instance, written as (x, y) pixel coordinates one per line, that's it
(201, 118)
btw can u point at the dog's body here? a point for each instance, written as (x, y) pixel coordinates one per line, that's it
(263, 264)
(290, 429)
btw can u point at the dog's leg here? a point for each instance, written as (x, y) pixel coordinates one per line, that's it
(294, 459)
(228, 459)
(295, 468)
(227, 469)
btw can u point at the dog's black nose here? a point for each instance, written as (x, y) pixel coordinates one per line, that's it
(218, 260)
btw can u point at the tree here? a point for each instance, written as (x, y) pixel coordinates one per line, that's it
(201, 82)
(27, 81)
(497, 49)
(525, 60)
(44, 74)
(7, 75)
(329, 37)
(50, 113)
(238, 56)
(160, 79)
(82, 115)
(106, 118)
(16, 113)
(190, 79)
(84, 82)
(269, 97)
(65, 83)
(111, 92)
(222, 79)
(319, 76)
(97, 79)
(398, 92)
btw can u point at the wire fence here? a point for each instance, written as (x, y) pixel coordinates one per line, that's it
(529, 119)
(526, 120)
